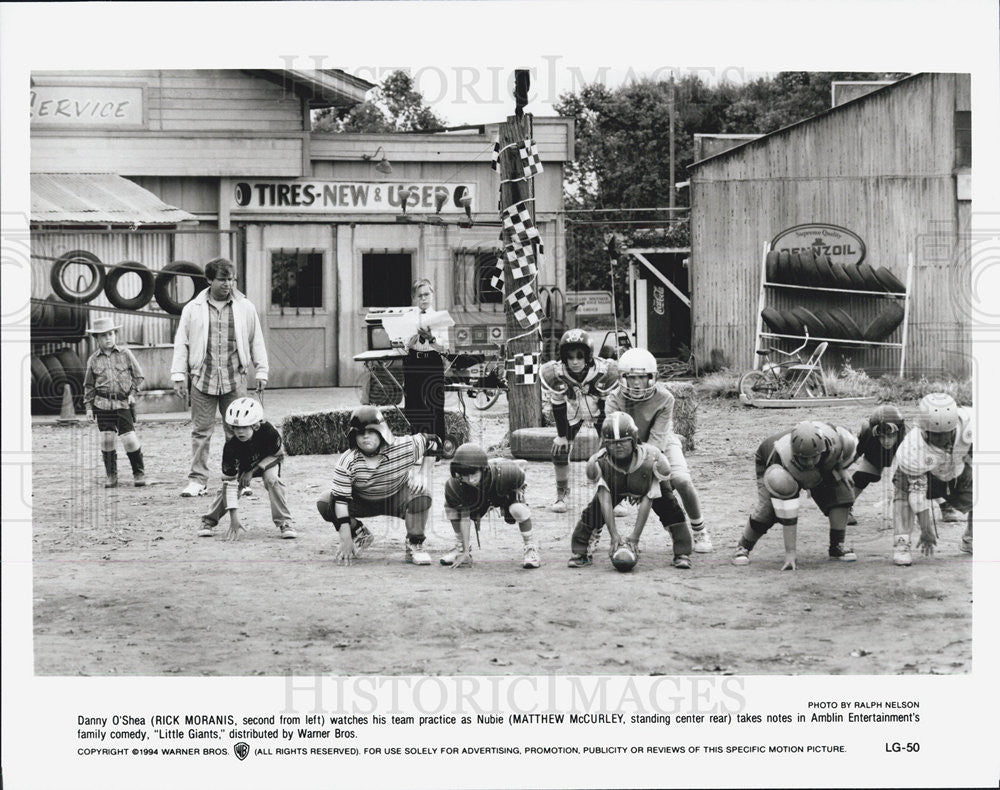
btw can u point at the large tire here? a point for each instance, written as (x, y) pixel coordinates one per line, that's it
(76, 369)
(50, 393)
(44, 391)
(482, 399)
(161, 288)
(755, 385)
(141, 299)
(82, 258)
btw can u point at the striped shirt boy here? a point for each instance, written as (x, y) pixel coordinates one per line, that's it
(379, 476)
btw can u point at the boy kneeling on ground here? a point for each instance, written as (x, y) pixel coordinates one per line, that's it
(253, 451)
(380, 475)
(478, 484)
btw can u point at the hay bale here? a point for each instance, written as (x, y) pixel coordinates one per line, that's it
(325, 433)
(685, 413)
(535, 444)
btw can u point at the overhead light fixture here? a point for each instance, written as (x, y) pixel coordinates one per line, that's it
(465, 201)
(404, 198)
(382, 166)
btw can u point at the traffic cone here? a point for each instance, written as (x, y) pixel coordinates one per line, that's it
(67, 414)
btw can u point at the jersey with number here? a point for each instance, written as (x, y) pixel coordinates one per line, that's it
(654, 416)
(839, 446)
(582, 396)
(647, 468)
(501, 484)
(917, 457)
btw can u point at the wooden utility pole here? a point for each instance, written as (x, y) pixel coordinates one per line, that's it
(673, 112)
(525, 400)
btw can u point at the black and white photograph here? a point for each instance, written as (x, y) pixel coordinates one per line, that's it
(375, 407)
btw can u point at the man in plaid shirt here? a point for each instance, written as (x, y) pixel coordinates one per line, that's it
(112, 379)
(218, 339)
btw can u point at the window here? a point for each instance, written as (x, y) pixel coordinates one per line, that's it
(963, 139)
(386, 279)
(473, 270)
(296, 278)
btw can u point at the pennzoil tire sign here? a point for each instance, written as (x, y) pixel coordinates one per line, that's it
(841, 244)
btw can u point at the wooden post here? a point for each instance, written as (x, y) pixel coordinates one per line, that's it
(525, 400)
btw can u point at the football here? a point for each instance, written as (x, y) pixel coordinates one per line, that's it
(624, 558)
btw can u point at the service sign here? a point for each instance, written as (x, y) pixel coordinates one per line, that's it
(350, 197)
(86, 107)
(842, 245)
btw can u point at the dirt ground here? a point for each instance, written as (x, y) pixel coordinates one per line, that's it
(123, 587)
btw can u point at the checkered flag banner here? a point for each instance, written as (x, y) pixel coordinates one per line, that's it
(495, 164)
(531, 163)
(524, 368)
(496, 279)
(523, 259)
(525, 306)
(517, 221)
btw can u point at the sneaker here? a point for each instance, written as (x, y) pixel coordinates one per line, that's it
(246, 491)
(682, 561)
(206, 530)
(742, 556)
(287, 531)
(838, 552)
(559, 506)
(363, 539)
(621, 509)
(194, 488)
(966, 544)
(531, 559)
(450, 557)
(415, 555)
(580, 561)
(901, 551)
(702, 542)
(111, 481)
(950, 515)
(851, 520)
(138, 479)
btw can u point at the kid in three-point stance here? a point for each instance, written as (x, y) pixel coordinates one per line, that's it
(380, 475)
(476, 485)
(934, 462)
(813, 456)
(110, 384)
(878, 441)
(253, 451)
(577, 384)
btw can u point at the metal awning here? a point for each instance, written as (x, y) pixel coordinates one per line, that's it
(97, 199)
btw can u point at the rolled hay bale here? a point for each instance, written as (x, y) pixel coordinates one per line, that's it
(325, 433)
(535, 444)
(685, 413)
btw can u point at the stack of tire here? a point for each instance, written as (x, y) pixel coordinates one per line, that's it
(66, 321)
(818, 271)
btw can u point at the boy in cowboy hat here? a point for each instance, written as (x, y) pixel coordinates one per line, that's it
(109, 387)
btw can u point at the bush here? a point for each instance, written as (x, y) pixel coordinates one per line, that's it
(721, 384)
(325, 433)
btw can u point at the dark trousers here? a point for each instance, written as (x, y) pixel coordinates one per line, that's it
(423, 392)
(665, 507)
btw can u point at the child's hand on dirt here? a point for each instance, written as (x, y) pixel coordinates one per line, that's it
(235, 528)
(90, 415)
(789, 562)
(347, 553)
(927, 542)
(462, 559)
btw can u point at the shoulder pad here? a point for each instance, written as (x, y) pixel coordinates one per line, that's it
(507, 474)
(551, 377)
(913, 456)
(606, 378)
(848, 445)
(965, 432)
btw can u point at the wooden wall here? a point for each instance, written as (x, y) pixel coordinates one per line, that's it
(881, 167)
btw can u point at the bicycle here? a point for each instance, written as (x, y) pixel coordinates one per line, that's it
(478, 378)
(793, 378)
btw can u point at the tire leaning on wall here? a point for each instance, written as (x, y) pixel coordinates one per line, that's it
(80, 258)
(42, 387)
(51, 384)
(161, 287)
(141, 299)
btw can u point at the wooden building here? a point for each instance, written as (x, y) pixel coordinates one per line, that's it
(891, 167)
(313, 220)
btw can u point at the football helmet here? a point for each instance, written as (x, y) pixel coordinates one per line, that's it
(637, 362)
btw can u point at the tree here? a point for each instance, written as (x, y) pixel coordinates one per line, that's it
(393, 106)
(622, 154)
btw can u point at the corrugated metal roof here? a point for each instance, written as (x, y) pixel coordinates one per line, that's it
(97, 198)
